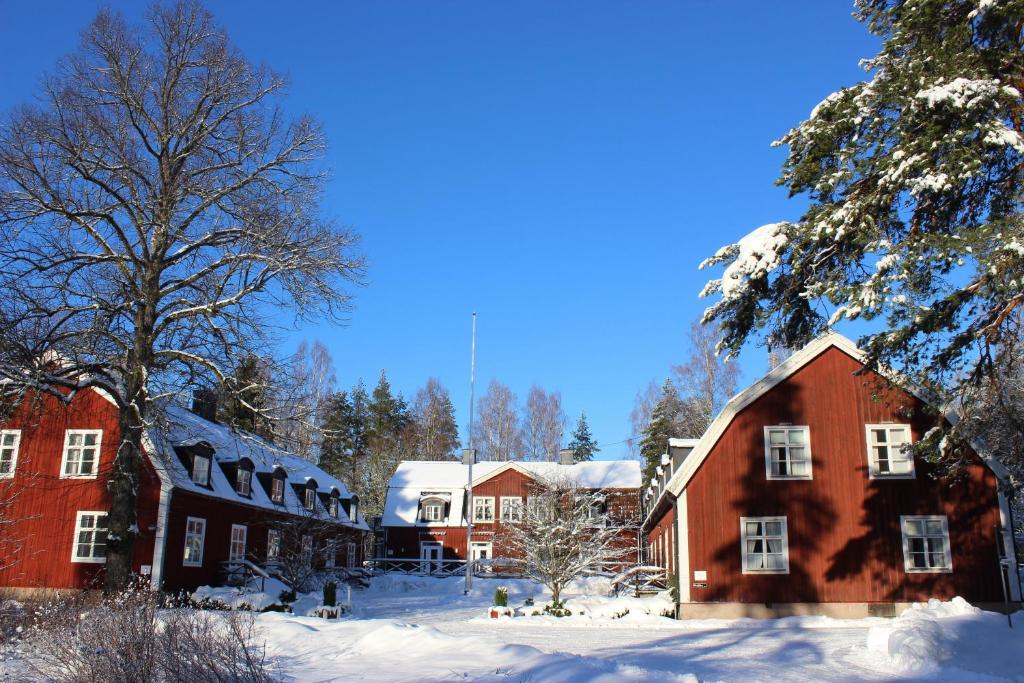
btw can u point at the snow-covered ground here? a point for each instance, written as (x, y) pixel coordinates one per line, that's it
(421, 629)
(424, 629)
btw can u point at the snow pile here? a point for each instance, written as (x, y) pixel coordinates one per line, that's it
(918, 640)
(256, 597)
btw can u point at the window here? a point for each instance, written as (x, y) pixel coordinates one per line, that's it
(90, 537)
(926, 544)
(9, 442)
(433, 510)
(334, 505)
(195, 536)
(483, 509)
(81, 454)
(354, 507)
(511, 509)
(236, 550)
(541, 508)
(201, 469)
(307, 550)
(243, 481)
(480, 551)
(888, 452)
(787, 452)
(273, 544)
(310, 498)
(330, 553)
(765, 545)
(277, 490)
(350, 559)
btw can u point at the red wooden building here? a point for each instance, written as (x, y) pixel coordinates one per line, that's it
(208, 496)
(801, 498)
(425, 515)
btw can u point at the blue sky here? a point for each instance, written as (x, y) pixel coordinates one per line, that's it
(559, 167)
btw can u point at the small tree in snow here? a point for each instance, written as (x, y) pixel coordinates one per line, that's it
(565, 532)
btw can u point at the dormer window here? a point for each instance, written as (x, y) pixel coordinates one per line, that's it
(433, 507)
(243, 478)
(311, 498)
(277, 486)
(354, 510)
(200, 469)
(334, 504)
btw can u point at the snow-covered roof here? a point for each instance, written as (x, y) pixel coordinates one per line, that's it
(414, 478)
(182, 428)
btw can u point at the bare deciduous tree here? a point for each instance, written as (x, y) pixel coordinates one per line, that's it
(300, 407)
(157, 209)
(496, 432)
(705, 381)
(543, 425)
(640, 415)
(565, 532)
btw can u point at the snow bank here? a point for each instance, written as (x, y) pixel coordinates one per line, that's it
(257, 596)
(918, 641)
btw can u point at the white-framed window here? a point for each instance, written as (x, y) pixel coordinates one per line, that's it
(243, 481)
(433, 510)
(307, 549)
(81, 457)
(330, 553)
(350, 557)
(354, 510)
(310, 499)
(277, 490)
(200, 469)
(483, 509)
(334, 506)
(90, 544)
(195, 538)
(10, 442)
(273, 544)
(889, 455)
(480, 550)
(926, 544)
(765, 545)
(511, 508)
(236, 550)
(787, 452)
(540, 507)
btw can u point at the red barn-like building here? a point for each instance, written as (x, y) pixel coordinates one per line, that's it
(425, 515)
(208, 496)
(801, 498)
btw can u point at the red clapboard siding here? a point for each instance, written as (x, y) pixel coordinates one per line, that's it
(662, 532)
(844, 529)
(37, 546)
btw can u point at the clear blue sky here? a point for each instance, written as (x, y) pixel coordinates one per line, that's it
(559, 167)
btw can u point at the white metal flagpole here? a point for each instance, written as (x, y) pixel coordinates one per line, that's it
(471, 459)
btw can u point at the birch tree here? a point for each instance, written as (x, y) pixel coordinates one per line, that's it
(497, 433)
(706, 381)
(543, 425)
(158, 211)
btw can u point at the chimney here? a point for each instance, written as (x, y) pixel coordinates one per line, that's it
(468, 456)
(565, 457)
(204, 403)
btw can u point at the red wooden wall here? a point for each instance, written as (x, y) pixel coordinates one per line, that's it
(845, 542)
(658, 536)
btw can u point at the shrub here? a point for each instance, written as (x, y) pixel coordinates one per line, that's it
(287, 597)
(557, 609)
(501, 596)
(330, 594)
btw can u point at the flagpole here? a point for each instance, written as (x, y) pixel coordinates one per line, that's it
(472, 458)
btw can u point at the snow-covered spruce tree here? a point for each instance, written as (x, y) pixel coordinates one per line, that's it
(914, 180)
(662, 426)
(583, 444)
(156, 209)
(433, 418)
(565, 532)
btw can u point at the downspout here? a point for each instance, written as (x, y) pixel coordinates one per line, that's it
(160, 541)
(675, 554)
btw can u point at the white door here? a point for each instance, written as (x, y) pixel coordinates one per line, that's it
(480, 551)
(430, 557)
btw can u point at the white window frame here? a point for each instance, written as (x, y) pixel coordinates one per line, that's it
(243, 475)
(277, 490)
(191, 534)
(354, 511)
(908, 564)
(476, 546)
(96, 514)
(433, 504)
(478, 505)
(310, 501)
(510, 504)
(335, 504)
(205, 471)
(350, 556)
(273, 544)
(330, 553)
(64, 462)
(806, 445)
(307, 550)
(13, 448)
(873, 470)
(764, 537)
(236, 546)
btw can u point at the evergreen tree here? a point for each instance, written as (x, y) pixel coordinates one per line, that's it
(344, 450)
(433, 416)
(583, 445)
(662, 426)
(244, 400)
(389, 435)
(915, 217)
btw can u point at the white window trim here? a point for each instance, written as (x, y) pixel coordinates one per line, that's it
(907, 563)
(209, 469)
(271, 534)
(785, 544)
(14, 451)
(873, 472)
(309, 499)
(768, 454)
(231, 542)
(78, 527)
(239, 479)
(64, 455)
(274, 483)
(432, 503)
(505, 500)
(202, 543)
(306, 549)
(350, 555)
(480, 499)
(330, 553)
